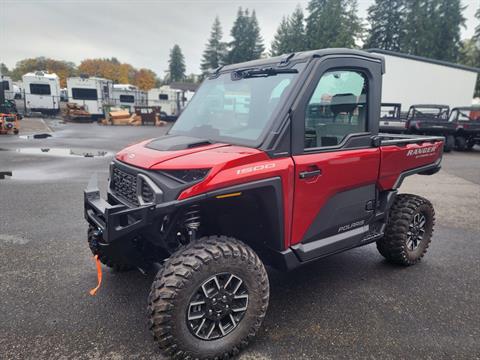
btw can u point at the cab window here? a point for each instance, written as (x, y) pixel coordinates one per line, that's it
(337, 108)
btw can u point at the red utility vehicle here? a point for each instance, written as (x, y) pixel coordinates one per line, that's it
(274, 161)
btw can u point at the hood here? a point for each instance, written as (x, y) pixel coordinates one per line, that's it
(182, 152)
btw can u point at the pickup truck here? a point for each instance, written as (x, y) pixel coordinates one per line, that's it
(467, 126)
(292, 172)
(431, 120)
(391, 119)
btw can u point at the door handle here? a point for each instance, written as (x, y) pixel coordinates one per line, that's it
(309, 174)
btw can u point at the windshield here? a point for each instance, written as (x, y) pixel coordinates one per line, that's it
(235, 111)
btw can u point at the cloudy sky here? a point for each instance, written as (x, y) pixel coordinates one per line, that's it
(138, 32)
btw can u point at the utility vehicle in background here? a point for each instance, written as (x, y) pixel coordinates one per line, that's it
(297, 173)
(467, 126)
(431, 120)
(391, 119)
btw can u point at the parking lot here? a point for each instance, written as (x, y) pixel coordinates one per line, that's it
(351, 305)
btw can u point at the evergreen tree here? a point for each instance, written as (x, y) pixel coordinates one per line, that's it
(280, 41)
(290, 36)
(432, 28)
(332, 23)
(477, 28)
(214, 53)
(386, 21)
(176, 64)
(247, 44)
(447, 43)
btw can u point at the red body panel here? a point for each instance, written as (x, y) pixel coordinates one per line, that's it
(303, 198)
(397, 159)
(340, 171)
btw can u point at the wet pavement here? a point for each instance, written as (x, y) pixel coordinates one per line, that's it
(351, 305)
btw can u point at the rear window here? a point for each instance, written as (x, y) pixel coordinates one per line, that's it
(6, 85)
(40, 89)
(127, 98)
(84, 94)
(163, 97)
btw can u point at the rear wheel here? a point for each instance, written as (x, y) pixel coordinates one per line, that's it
(409, 230)
(209, 300)
(96, 249)
(449, 143)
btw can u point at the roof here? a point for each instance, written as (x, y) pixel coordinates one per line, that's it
(306, 55)
(184, 86)
(424, 59)
(42, 74)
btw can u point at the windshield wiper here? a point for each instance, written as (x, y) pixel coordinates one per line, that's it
(265, 72)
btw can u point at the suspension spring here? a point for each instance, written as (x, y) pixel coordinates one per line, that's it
(192, 220)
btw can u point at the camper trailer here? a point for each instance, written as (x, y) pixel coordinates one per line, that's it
(91, 92)
(129, 96)
(7, 87)
(169, 99)
(42, 92)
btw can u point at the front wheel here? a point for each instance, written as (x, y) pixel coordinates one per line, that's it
(409, 230)
(461, 143)
(209, 299)
(449, 143)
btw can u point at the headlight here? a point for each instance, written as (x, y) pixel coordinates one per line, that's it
(187, 176)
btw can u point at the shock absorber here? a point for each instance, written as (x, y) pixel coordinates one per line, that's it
(192, 221)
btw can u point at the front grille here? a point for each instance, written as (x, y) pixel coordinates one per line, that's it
(124, 185)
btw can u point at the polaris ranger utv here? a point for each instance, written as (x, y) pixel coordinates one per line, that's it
(275, 161)
(431, 120)
(467, 126)
(391, 119)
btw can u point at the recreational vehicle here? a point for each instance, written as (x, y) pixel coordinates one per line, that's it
(91, 92)
(169, 99)
(127, 95)
(42, 92)
(7, 87)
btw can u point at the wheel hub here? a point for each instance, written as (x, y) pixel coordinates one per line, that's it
(217, 306)
(416, 231)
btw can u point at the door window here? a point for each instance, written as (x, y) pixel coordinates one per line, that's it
(337, 108)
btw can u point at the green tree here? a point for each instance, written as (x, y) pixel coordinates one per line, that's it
(247, 44)
(332, 23)
(176, 64)
(4, 69)
(63, 69)
(215, 50)
(432, 28)
(386, 21)
(290, 36)
(446, 43)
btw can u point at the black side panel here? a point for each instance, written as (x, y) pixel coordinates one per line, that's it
(342, 212)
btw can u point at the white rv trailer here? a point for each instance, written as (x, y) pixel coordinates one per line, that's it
(91, 92)
(127, 95)
(42, 92)
(413, 80)
(7, 87)
(166, 97)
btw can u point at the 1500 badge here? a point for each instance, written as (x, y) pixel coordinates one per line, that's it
(255, 168)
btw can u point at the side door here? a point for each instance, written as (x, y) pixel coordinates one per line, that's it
(336, 163)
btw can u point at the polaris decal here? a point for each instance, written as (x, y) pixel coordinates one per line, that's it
(255, 168)
(351, 226)
(422, 152)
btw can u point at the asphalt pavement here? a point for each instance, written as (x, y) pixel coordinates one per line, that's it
(352, 305)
